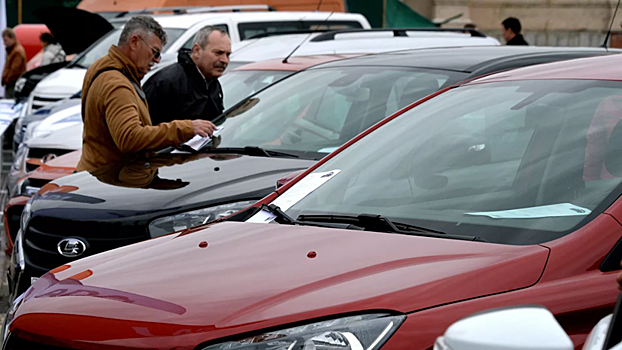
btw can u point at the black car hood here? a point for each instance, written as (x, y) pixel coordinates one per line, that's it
(74, 29)
(163, 184)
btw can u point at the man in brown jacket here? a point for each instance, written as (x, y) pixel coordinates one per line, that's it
(15, 62)
(117, 125)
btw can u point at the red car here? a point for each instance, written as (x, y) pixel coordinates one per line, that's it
(499, 191)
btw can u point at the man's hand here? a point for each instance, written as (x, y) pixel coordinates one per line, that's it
(203, 127)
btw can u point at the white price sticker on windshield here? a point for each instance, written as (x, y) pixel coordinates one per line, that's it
(545, 211)
(296, 193)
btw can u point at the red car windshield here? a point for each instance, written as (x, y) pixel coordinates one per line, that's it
(515, 162)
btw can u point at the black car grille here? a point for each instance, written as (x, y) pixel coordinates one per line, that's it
(16, 343)
(43, 235)
(38, 153)
(38, 183)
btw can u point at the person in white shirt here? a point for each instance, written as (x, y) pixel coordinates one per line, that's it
(52, 51)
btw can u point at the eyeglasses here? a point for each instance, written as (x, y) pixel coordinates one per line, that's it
(156, 52)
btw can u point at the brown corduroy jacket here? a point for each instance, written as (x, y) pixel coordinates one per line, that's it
(15, 64)
(117, 125)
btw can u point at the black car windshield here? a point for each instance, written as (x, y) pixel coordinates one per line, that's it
(237, 85)
(511, 162)
(100, 49)
(318, 110)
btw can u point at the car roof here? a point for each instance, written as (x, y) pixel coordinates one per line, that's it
(188, 20)
(593, 68)
(463, 59)
(349, 43)
(293, 64)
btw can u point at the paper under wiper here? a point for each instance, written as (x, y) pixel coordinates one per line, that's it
(545, 211)
(198, 142)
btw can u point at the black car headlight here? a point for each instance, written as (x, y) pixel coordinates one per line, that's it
(362, 332)
(26, 214)
(178, 222)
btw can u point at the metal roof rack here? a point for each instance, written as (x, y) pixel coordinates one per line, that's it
(396, 32)
(198, 9)
(287, 32)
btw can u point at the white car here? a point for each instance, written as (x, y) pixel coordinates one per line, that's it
(524, 328)
(351, 42)
(33, 152)
(181, 30)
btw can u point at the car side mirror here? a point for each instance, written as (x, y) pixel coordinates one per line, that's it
(516, 328)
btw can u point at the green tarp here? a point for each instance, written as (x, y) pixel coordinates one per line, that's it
(388, 14)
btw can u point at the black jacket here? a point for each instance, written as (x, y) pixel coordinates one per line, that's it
(518, 40)
(179, 91)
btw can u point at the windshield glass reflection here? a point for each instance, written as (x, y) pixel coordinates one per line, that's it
(520, 162)
(321, 109)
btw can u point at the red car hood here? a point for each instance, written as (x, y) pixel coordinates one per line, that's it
(175, 292)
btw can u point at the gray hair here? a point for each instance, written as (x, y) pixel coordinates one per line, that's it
(202, 36)
(141, 25)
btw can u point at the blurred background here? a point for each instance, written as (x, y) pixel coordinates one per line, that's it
(545, 22)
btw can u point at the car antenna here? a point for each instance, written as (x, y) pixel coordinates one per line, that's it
(318, 6)
(307, 38)
(610, 26)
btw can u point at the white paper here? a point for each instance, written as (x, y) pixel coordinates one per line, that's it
(197, 142)
(262, 217)
(303, 188)
(297, 192)
(545, 211)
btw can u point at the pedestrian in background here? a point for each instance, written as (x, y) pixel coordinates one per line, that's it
(511, 32)
(15, 64)
(190, 88)
(52, 51)
(117, 125)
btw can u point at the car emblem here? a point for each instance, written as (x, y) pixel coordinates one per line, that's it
(48, 157)
(71, 247)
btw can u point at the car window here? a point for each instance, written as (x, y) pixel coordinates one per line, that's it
(237, 85)
(188, 44)
(100, 49)
(515, 162)
(319, 109)
(248, 30)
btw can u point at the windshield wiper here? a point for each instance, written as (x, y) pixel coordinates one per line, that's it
(284, 219)
(250, 151)
(379, 223)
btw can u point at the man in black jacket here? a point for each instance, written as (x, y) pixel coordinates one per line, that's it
(511, 28)
(189, 89)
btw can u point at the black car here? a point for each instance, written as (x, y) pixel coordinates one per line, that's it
(279, 130)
